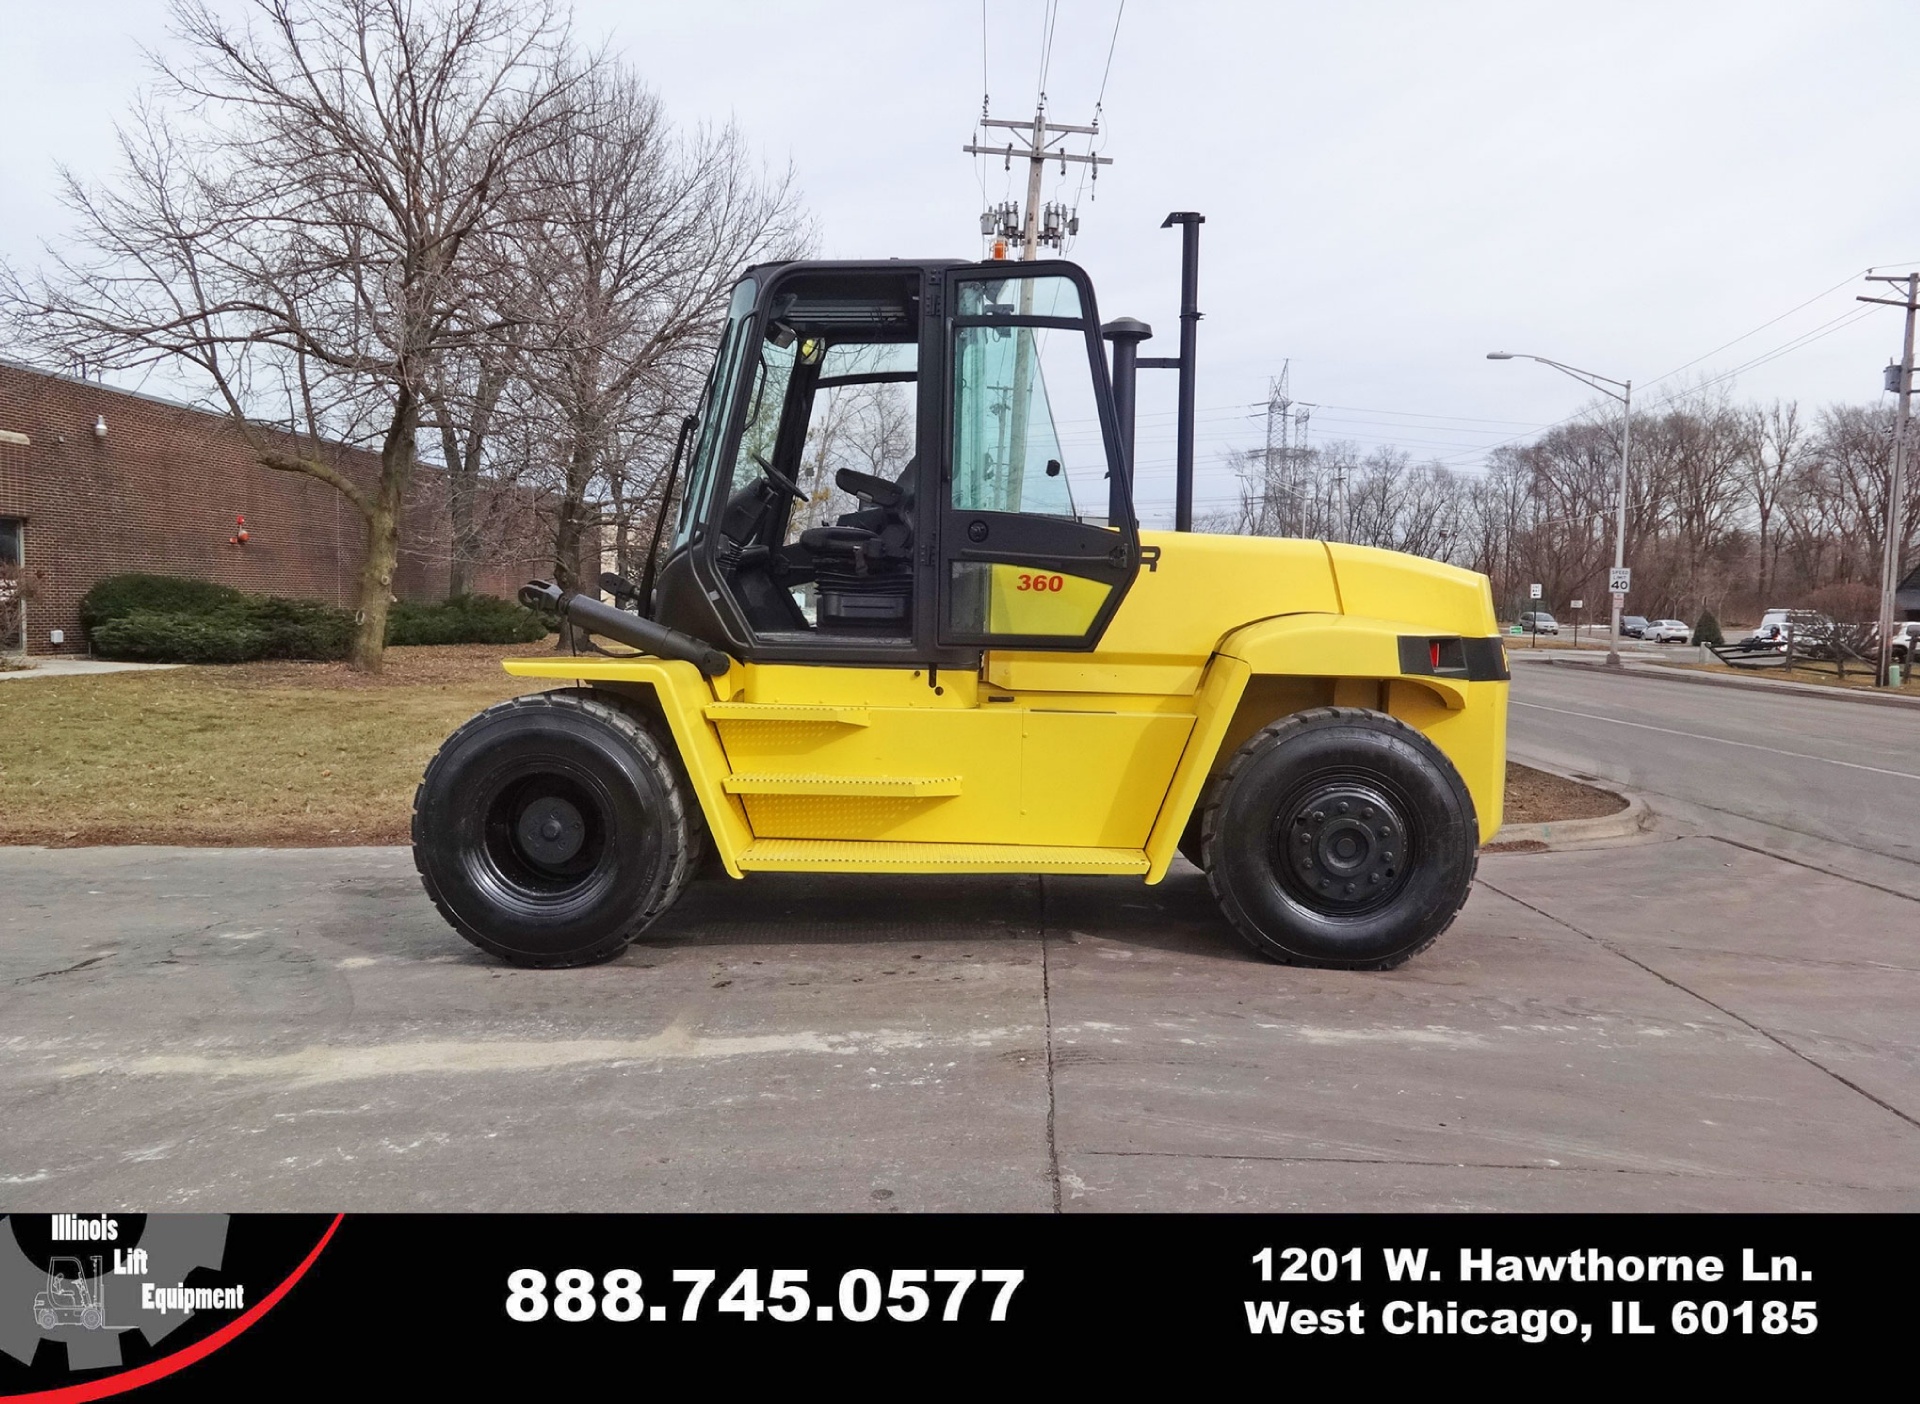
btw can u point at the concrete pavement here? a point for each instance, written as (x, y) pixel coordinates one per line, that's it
(1667, 1026)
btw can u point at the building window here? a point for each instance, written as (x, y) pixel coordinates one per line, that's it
(13, 621)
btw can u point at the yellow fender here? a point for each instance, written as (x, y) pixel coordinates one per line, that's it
(1334, 646)
(1342, 648)
(684, 693)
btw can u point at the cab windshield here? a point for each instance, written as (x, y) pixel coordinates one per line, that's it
(712, 414)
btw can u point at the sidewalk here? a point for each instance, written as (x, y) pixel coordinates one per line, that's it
(1674, 674)
(77, 668)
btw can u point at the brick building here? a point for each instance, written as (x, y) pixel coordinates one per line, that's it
(96, 481)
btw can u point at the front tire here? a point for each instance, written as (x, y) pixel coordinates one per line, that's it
(1340, 838)
(552, 829)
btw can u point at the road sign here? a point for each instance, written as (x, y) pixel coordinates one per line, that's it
(1576, 604)
(1620, 580)
(1533, 592)
(1618, 599)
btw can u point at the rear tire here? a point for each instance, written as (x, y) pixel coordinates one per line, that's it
(552, 829)
(1340, 838)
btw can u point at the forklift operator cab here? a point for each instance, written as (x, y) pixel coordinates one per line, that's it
(903, 465)
(907, 623)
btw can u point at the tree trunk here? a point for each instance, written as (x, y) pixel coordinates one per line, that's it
(461, 546)
(376, 587)
(570, 530)
(383, 537)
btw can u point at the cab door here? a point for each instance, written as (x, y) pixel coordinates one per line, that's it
(1037, 541)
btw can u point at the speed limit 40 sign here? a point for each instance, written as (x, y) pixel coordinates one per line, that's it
(1619, 580)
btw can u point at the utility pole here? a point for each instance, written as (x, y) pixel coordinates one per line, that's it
(1897, 487)
(1038, 140)
(1297, 465)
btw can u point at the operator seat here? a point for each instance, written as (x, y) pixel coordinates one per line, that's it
(864, 561)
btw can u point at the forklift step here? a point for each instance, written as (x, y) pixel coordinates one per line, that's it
(863, 856)
(904, 785)
(783, 712)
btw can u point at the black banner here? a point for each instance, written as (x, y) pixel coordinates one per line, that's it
(200, 1306)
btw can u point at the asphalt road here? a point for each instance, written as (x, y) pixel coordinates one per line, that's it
(1806, 776)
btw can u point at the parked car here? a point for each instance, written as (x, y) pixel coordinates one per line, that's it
(1809, 629)
(1906, 641)
(1666, 631)
(1632, 626)
(1538, 622)
(1772, 626)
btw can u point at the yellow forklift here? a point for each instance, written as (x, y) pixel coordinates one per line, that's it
(907, 622)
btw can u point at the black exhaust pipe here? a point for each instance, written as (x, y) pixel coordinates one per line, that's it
(584, 612)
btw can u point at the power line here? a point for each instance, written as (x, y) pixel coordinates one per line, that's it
(1051, 16)
(1844, 282)
(1111, 43)
(986, 85)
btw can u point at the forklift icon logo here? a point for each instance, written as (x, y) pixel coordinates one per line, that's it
(71, 1298)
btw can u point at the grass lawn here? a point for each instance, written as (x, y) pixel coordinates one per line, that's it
(257, 754)
(305, 754)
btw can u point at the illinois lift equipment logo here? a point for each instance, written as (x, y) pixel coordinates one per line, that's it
(84, 1279)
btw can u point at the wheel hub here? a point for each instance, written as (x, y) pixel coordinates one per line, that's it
(1343, 846)
(550, 831)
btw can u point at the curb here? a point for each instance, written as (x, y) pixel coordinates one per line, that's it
(1860, 696)
(1629, 823)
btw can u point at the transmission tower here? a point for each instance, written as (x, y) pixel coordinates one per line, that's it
(1279, 457)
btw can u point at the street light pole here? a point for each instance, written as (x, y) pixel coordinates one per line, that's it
(1620, 523)
(1595, 381)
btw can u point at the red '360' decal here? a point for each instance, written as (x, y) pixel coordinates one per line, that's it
(1054, 583)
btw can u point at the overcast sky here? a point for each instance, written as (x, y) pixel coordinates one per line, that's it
(1391, 190)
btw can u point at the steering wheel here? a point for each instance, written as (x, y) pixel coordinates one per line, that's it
(779, 479)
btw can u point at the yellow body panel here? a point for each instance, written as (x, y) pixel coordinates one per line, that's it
(1069, 762)
(828, 855)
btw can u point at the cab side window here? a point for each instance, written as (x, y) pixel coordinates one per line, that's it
(1031, 552)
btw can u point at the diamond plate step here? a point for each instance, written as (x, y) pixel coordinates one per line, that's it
(842, 785)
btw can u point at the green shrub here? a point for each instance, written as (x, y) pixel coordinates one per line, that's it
(166, 619)
(1707, 630)
(181, 638)
(300, 628)
(252, 627)
(118, 596)
(464, 619)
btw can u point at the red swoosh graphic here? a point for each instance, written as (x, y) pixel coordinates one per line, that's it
(180, 1359)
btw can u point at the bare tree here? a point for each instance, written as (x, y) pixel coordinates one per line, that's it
(300, 225)
(633, 235)
(1770, 454)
